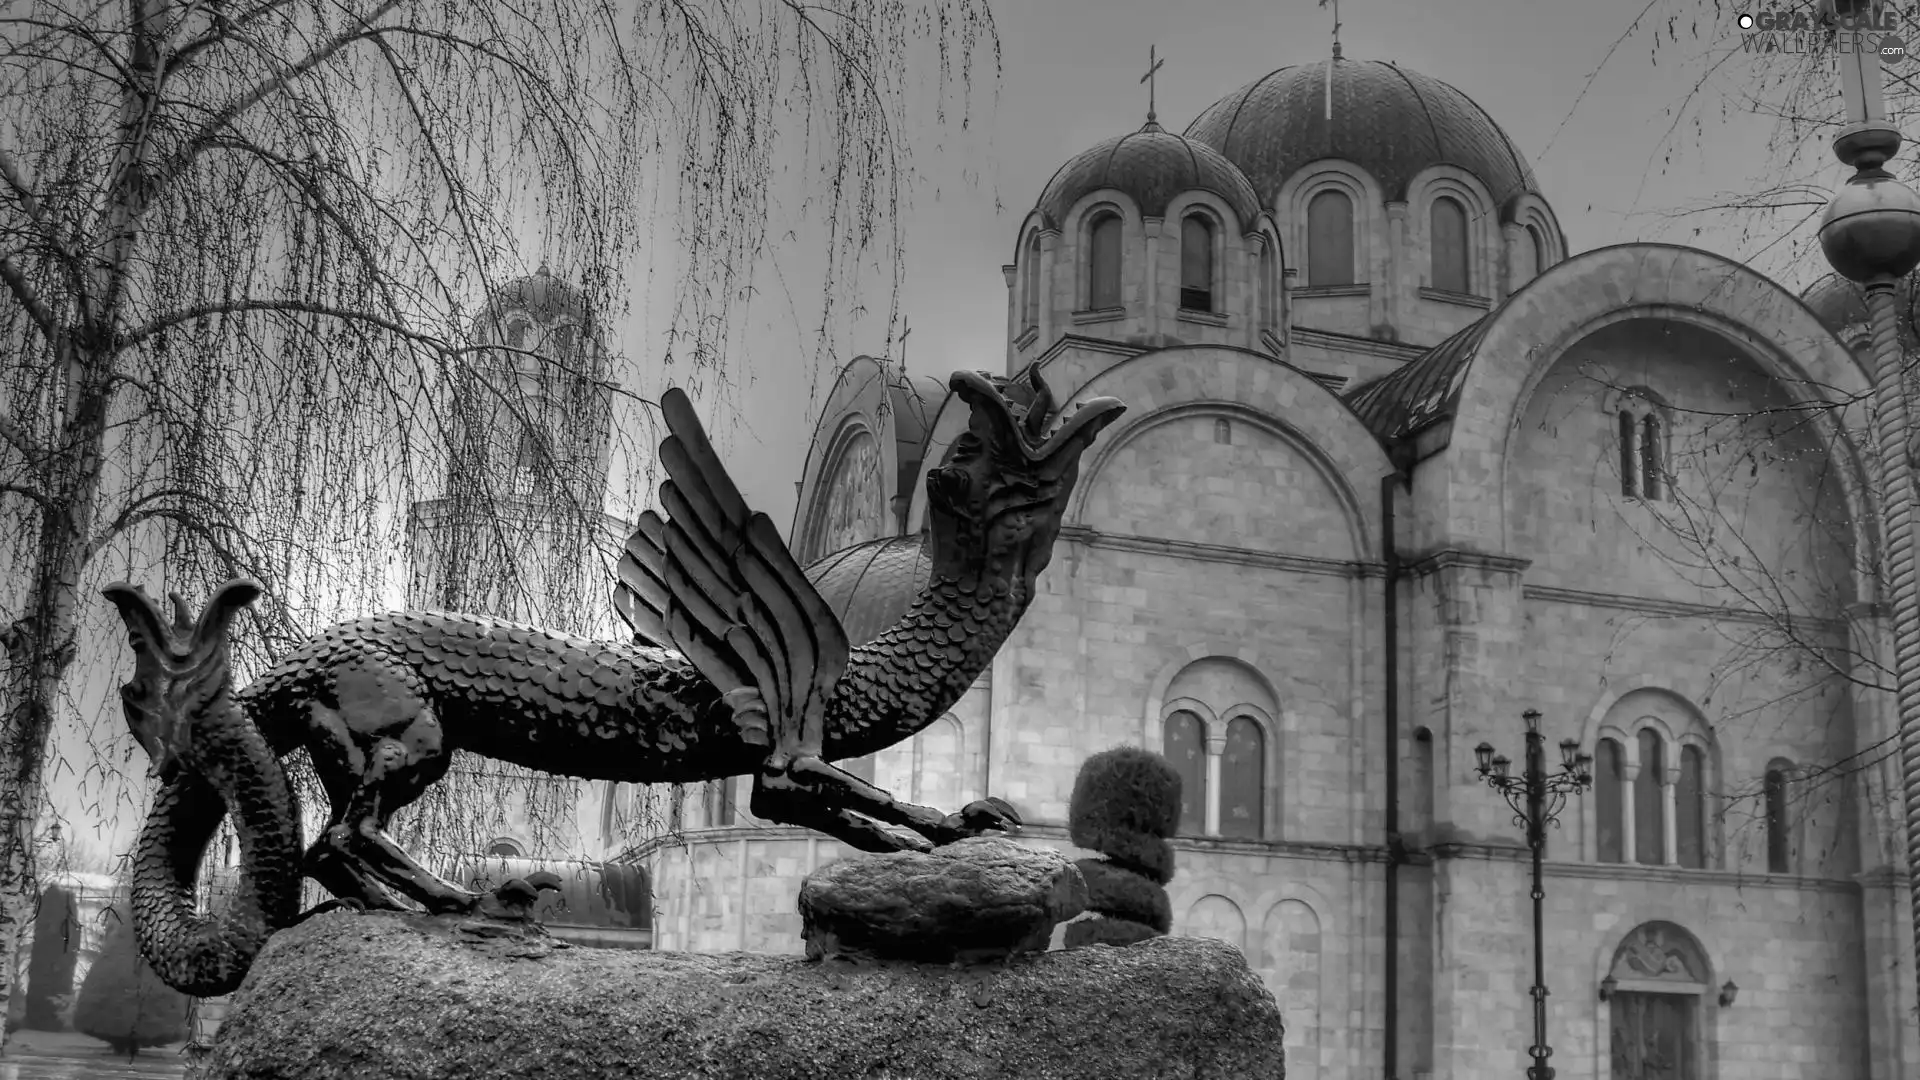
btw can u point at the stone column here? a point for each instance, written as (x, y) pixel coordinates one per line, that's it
(1016, 302)
(1389, 276)
(1056, 296)
(1147, 300)
(1216, 748)
(1669, 821)
(1629, 834)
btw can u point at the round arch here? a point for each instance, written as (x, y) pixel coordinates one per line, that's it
(1157, 385)
(1528, 334)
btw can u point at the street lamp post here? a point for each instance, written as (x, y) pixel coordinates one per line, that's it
(1537, 797)
(1871, 235)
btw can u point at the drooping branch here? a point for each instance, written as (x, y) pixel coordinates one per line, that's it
(165, 172)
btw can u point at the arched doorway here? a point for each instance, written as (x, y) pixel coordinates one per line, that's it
(1656, 994)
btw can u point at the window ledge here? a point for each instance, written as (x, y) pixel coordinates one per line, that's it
(1204, 318)
(1027, 337)
(1099, 315)
(1358, 288)
(1445, 296)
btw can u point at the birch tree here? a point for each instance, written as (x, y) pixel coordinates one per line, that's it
(241, 245)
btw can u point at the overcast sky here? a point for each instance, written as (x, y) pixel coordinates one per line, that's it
(1605, 148)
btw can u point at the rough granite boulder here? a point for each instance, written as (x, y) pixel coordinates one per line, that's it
(347, 996)
(974, 901)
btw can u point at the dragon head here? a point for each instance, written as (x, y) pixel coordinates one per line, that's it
(996, 501)
(178, 669)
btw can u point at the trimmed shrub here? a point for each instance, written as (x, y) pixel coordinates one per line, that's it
(56, 930)
(1123, 790)
(1104, 931)
(1114, 890)
(124, 1004)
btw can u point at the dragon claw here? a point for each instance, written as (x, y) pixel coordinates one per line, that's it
(980, 817)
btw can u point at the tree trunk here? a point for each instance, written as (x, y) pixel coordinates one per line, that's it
(40, 647)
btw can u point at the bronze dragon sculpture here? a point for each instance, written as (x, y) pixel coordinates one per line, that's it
(737, 667)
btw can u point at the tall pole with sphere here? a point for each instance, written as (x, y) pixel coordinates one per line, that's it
(1871, 235)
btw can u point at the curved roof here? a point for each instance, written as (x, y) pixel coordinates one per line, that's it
(1839, 304)
(1392, 122)
(870, 585)
(1152, 166)
(1423, 392)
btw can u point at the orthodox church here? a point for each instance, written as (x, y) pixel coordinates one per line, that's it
(1398, 465)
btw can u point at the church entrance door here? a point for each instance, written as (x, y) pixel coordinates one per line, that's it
(1653, 1036)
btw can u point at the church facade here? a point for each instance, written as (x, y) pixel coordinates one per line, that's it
(1399, 465)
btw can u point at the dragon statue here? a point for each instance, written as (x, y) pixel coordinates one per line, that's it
(737, 666)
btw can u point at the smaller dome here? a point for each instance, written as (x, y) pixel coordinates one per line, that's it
(1152, 166)
(870, 585)
(1841, 305)
(542, 296)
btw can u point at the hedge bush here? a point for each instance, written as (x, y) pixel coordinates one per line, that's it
(1124, 790)
(1114, 890)
(1101, 930)
(124, 1004)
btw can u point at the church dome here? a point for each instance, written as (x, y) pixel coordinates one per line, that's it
(540, 295)
(1392, 122)
(1152, 166)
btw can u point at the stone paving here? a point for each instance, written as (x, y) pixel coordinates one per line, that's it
(40, 1055)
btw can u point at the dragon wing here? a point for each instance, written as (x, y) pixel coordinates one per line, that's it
(714, 580)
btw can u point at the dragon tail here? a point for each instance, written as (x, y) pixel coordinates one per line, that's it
(213, 762)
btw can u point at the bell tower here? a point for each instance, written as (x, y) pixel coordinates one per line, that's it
(518, 531)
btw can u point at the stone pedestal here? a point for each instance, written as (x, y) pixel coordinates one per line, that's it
(404, 997)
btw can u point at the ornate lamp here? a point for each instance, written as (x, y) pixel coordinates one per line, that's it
(1728, 993)
(1607, 986)
(1536, 797)
(1871, 235)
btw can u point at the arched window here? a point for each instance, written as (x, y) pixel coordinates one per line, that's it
(1642, 436)
(718, 798)
(1103, 263)
(1779, 854)
(1196, 263)
(1649, 809)
(1030, 282)
(526, 463)
(1629, 456)
(1690, 810)
(1330, 239)
(1652, 477)
(1448, 235)
(1243, 777)
(504, 848)
(1539, 244)
(1610, 833)
(517, 333)
(1186, 750)
(1269, 292)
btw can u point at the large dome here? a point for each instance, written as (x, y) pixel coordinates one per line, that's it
(1152, 166)
(1389, 121)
